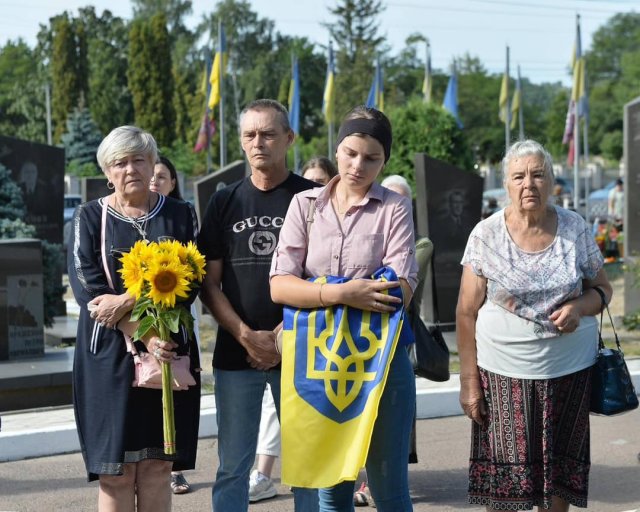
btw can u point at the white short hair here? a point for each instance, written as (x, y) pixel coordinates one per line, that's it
(396, 180)
(126, 141)
(527, 148)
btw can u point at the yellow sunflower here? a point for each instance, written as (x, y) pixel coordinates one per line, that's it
(169, 246)
(134, 264)
(166, 282)
(195, 260)
(141, 251)
(132, 273)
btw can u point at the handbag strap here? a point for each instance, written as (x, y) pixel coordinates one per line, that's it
(103, 250)
(601, 344)
(434, 290)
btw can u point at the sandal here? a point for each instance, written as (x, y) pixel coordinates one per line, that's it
(179, 485)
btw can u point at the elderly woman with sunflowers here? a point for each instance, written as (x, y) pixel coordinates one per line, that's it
(120, 426)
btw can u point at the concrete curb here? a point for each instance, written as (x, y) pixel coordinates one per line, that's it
(20, 440)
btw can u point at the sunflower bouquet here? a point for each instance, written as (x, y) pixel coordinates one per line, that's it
(160, 275)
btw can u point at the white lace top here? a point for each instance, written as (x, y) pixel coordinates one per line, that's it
(532, 285)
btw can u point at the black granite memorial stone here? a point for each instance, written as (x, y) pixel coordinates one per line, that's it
(38, 170)
(205, 187)
(94, 187)
(632, 206)
(448, 206)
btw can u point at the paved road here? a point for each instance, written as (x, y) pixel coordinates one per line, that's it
(438, 481)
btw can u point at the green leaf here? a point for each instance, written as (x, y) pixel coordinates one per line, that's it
(145, 324)
(140, 308)
(171, 319)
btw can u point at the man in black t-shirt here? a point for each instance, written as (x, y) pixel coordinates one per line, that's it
(239, 234)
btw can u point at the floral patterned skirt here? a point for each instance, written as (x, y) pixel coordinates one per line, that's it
(535, 444)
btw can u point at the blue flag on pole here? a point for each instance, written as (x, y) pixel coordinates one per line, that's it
(451, 98)
(294, 97)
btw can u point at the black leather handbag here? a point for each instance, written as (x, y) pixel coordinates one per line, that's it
(612, 390)
(429, 355)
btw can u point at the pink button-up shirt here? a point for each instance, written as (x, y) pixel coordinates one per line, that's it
(376, 232)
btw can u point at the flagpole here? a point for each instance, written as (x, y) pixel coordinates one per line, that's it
(576, 126)
(291, 112)
(585, 135)
(223, 145)
(208, 65)
(520, 108)
(329, 107)
(507, 122)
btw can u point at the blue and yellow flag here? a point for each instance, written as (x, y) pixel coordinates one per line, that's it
(375, 99)
(328, 98)
(334, 369)
(427, 83)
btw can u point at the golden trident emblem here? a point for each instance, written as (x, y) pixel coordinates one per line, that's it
(343, 370)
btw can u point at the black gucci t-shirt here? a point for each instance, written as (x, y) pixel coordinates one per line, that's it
(241, 226)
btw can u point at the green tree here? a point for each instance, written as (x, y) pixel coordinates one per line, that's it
(81, 142)
(109, 99)
(355, 30)
(11, 201)
(17, 68)
(611, 65)
(151, 79)
(68, 70)
(420, 127)
(555, 121)
(186, 66)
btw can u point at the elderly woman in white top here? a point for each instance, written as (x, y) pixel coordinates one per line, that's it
(532, 280)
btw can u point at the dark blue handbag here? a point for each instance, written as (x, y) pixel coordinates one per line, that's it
(612, 390)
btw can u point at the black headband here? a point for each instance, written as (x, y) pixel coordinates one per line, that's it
(372, 127)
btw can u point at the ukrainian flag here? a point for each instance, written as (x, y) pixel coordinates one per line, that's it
(334, 368)
(375, 99)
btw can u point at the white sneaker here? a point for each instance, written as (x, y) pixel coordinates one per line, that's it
(260, 487)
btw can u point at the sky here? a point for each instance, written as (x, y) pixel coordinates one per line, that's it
(539, 33)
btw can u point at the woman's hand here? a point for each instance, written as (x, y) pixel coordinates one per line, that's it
(162, 350)
(566, 318)
(367, 294)
(472, 399)
(108, 309)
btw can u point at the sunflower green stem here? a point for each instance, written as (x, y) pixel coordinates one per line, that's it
(167, 400)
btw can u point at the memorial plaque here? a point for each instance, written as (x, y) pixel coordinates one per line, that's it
(632, 206)
(94, 187)
(205, 187)
(21, 299)
(38, 170)
(448, 206)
